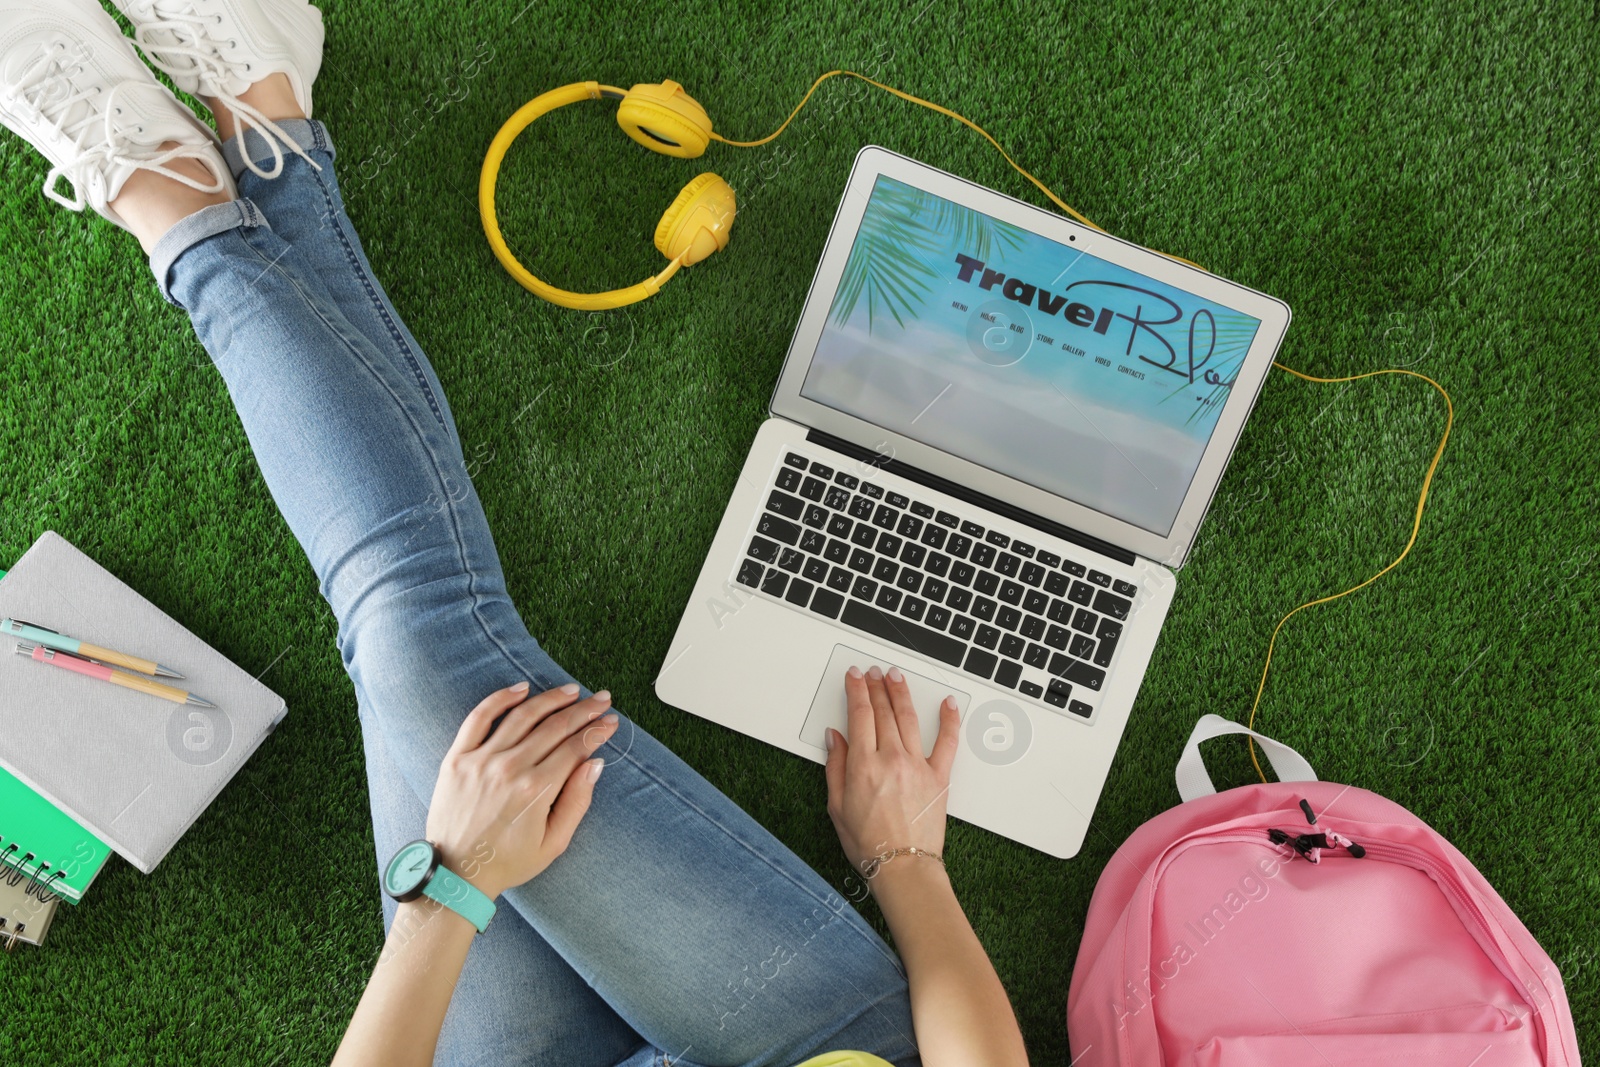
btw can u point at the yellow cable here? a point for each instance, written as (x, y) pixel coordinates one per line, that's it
(1416, 525)
(1062, 204)
(1427, 481)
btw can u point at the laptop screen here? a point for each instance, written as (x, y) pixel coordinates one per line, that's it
(1027, 356)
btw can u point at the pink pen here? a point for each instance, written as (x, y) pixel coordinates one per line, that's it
(78, 665)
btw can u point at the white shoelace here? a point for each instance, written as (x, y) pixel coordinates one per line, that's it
(207, 65)
(46, 87)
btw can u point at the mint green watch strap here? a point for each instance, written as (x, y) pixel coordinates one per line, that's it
(461, 897)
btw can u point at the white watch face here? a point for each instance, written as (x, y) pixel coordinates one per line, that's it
(409, 868)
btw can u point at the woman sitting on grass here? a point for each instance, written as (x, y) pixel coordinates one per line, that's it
(651, 921)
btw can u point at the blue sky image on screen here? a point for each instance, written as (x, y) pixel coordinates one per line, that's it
(1026, 356)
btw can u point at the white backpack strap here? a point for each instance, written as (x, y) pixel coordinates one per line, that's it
(1193, 779)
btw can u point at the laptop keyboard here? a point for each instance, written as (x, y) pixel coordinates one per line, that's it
(937, 583)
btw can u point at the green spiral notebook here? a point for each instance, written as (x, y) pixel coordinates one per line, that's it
(44, 846)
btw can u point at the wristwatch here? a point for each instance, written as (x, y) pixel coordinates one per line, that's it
(416, 872)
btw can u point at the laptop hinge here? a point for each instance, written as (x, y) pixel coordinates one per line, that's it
(971, 496)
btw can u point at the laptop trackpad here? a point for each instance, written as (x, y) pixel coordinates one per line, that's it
(828, 706)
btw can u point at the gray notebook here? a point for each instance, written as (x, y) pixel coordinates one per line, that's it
(135, 770)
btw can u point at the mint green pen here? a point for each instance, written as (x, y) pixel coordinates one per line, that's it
(40, 635)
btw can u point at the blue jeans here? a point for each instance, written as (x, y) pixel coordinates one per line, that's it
(674, 929)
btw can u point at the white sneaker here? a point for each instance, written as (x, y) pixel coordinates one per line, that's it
(219, 48)
(73, 87)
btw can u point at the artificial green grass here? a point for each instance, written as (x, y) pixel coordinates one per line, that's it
(1417, 184)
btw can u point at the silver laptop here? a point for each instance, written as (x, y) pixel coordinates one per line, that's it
(992, 444)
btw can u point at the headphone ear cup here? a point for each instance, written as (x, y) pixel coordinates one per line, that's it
(698, 220)
(665, 119)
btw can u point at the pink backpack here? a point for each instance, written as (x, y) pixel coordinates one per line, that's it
(1232, 931)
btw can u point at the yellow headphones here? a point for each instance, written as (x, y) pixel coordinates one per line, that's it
(664, 119)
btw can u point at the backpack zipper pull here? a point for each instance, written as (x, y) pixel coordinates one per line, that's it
(1337, 841)
(1310, 846)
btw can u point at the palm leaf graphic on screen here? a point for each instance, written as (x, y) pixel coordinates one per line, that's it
(908, 239)
(1232, 334)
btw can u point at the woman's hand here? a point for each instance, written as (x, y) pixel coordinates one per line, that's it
(882, 793)
(506, 804)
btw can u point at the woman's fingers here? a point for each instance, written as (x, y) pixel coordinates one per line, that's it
(883, 721)
(905, 713)
(475, 727)
(544, 738)
(558, 766)
(543, 781)
(838, 751)
(525, 716)
(858, 710)
(944, 749)
(571, 806)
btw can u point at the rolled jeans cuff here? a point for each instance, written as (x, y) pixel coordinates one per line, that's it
(307, 133)
(192, 229)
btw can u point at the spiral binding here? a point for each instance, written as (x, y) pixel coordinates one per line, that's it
(14, 873)
(10, 937)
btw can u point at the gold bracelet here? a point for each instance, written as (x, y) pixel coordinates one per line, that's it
(869, 868)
